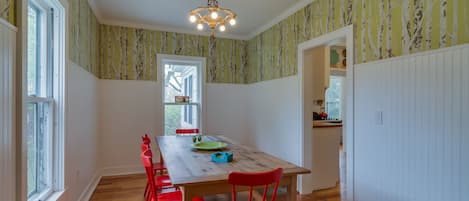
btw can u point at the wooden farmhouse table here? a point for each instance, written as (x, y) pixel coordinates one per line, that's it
(196, 175)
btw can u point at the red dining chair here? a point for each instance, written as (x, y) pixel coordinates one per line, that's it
(153, 194)
(253, 179)
(187, 131)
(162, 181)
(160, 167)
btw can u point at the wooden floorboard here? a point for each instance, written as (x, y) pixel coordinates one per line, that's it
(131, 187)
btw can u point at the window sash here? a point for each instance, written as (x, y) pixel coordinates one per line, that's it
(48, 141)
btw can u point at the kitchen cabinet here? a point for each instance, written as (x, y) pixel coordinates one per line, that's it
(326, 142)
(318, 59)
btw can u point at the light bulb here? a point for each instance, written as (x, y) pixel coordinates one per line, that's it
(222, 28)
(232, 22)
(200, 26)
(192, 18)
(214, 15)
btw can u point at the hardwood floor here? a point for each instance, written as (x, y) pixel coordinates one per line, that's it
(130, 188)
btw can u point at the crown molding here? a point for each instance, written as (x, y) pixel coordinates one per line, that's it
(96, 11)
(291, 10)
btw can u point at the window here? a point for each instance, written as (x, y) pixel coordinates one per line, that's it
(181, 78)
(334, 97)
(43, 84)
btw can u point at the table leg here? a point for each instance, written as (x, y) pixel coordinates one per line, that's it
(291, 189)
(186, 194)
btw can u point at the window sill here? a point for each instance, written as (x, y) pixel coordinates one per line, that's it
(55, 196)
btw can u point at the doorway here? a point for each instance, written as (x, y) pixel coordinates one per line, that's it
(344, 35)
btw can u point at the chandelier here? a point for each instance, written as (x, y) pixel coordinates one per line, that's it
(213, 16)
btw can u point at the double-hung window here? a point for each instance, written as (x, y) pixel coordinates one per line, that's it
(43, 85)
(181, 78)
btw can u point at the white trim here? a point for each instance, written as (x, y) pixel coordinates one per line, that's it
(89, 189)
(8, 25)
(125, 23)
(122, 170)
(96, 11)
(305, 117)
(202, 82)
(290, 11)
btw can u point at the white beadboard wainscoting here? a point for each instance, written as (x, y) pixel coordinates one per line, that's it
(7, 105)
(412, 127)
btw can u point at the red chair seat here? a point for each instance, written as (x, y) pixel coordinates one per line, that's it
(159, 166)
(163, 181)
(175, 196)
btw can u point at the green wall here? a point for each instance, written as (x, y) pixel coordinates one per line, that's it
(83, 36)
(130, 54)
(383, 29)
(7, 10)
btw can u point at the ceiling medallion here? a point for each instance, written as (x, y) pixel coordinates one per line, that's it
(213, 16)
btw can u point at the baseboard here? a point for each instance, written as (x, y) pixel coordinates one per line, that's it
(122, 170)
(88, 192)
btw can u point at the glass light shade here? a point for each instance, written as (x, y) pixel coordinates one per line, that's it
(214, 15)
(192, 18)
(200, 26)
(232, 22)
(222, 28)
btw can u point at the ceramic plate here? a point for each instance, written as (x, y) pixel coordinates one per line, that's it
(209, 145)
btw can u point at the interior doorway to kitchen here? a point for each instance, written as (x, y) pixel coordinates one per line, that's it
(338, 101)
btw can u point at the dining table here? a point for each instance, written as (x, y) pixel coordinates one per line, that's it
(193, 171)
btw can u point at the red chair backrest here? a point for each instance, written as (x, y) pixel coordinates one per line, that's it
(145, 143)
(182, 131)
(147, 162)
(253, 179)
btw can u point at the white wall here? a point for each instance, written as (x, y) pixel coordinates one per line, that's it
(420, 151)
(273, 117)
(129, 109)
(7, 105)
(81, 139)
(227, 107)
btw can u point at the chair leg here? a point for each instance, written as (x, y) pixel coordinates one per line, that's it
(146, 190)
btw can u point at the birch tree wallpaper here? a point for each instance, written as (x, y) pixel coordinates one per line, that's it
(83, 36)
(7, 11)
(130, 54)
(383, 29)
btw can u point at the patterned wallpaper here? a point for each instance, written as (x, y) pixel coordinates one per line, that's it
(7, 10)
(130, 54)
(84, 36)
(383, 29)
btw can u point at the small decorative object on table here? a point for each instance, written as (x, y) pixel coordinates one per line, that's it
(222, 157)
(196, 138)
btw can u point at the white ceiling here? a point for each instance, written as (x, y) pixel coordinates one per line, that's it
(254, 16)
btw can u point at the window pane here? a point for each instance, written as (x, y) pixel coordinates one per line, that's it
(173, 117)
(179, 81)
(33, 44)
(334, 98)
(38, 136)
(31, 119)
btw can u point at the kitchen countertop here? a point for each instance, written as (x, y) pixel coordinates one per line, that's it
(325, 124)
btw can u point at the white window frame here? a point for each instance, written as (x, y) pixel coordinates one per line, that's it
(55, 97)
(200, 62)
